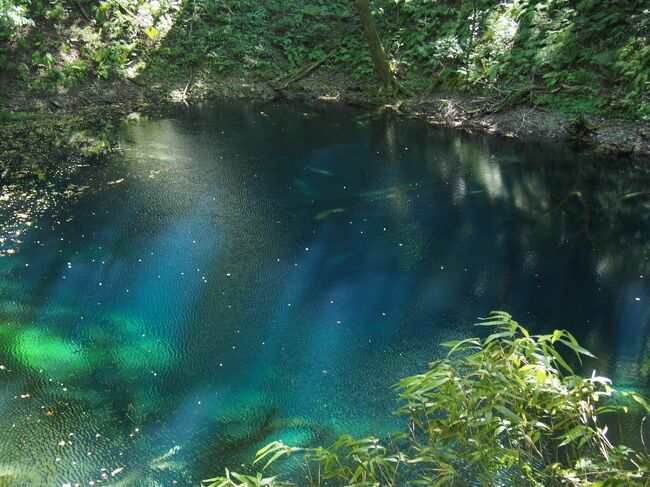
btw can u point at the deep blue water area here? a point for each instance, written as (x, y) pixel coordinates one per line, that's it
(241, 272)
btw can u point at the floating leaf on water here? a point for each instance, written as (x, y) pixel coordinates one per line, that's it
(322, 172)
(324, 214)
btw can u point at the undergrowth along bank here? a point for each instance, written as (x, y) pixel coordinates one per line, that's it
(578, 56)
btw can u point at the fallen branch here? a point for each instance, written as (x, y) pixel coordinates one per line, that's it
(513, 98)
(306, 71)
(301, 73)
(635, 195)
(567, 88)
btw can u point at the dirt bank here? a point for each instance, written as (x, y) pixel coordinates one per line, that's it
(37, 128)
(605, 137)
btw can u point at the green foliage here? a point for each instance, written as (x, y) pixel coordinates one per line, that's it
(595, 51)
(504, 410)
(58, 44)
(233, 479)
(266, 38)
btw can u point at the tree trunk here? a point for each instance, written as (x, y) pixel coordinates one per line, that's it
(388, 83)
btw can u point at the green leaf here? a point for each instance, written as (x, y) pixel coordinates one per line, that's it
(573, 345)
(641, 400)
(507, 413)
(572, 435)
(558, 357)
(475, 342)
(151, 32)
(496, 336)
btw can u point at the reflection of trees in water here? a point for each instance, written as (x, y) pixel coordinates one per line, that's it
(600, 211)
(516, 210)
(531, 207)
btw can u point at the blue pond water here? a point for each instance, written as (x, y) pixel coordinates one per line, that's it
(241, 273)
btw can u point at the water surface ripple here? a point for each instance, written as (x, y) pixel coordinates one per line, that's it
(241, 273)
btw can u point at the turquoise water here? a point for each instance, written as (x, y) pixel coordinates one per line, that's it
(240, 273)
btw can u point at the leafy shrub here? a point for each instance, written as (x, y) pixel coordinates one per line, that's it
(597, 50)
(582, 47)
(504, 410)
(56, 44)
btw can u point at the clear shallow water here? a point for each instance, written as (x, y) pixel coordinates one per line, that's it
(243, 273)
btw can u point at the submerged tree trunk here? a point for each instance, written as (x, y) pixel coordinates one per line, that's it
(388, 83)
